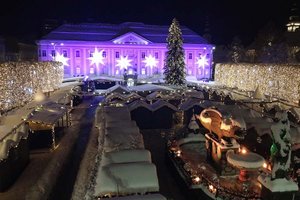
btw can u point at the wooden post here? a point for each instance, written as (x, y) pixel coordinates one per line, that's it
(53, 137)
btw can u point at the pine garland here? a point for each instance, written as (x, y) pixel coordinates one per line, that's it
(174, 68)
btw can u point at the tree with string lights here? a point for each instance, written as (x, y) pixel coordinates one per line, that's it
(174, 68)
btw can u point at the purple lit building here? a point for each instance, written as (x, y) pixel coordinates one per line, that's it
(97, 49)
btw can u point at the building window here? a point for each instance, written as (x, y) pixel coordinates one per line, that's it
(190, 56)
(77, 70)
(44, 53)
(117, 54)
(92, 70)
(53, 53)
(65, 53)
(156, 55)
(77, 53)
(104, 54)
(143, 54)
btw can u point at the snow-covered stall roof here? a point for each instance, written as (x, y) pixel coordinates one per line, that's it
(118, 89)
(48, 114)
(126, 156)
(120, 138)
(138, 103)
(141, 197)
(124, 97)
(114, 109)
(194, 94)
(189, 103)
(160, 103)
(125, 123)
(10, 123)
(118, 116)
(126, 178)
(150, 87)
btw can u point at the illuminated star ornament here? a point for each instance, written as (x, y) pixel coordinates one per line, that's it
(202, 61)
(123, 62)
(97, 57)
(150, 61)
(60, 58)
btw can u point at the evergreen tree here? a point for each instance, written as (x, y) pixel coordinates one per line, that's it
(236, 50)
(174, 68)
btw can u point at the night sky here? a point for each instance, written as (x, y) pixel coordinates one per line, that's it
(227, 18)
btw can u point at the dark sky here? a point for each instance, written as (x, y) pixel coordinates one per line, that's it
(227, 18)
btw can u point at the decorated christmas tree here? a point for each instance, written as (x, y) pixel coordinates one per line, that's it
(174, 69)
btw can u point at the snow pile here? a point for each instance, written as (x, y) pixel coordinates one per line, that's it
(278, 185)
(248, 160)
(127, 178)
(125, 166)
(126, 156)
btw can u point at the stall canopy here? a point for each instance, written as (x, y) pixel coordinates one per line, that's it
(47, 116)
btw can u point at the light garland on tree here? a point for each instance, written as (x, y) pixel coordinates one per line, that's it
(21, 80)
(278, 80)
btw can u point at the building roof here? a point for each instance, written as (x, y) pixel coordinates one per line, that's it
(106, 32)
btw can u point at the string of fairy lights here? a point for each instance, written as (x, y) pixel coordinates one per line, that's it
(276, 80)
(21, 80)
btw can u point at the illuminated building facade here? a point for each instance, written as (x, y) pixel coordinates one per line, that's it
(97, 49)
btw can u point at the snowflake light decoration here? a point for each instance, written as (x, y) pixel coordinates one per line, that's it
(60, 58)
(150, 61)
(97, 57)
(202, 61)
(123, 62)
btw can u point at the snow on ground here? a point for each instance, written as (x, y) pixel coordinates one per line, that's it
(248, 160)
(278, 185)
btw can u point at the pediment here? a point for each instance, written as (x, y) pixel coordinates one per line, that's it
(131, 38)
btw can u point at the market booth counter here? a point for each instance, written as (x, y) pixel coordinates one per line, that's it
(14, 151)
(46, 123)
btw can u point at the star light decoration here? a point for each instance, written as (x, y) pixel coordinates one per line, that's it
(150, 61)
(60, 58)
(97, 57)
(202, 61)
(123, 62)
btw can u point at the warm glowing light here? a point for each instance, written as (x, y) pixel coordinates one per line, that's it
(283, 86)
(150, 61)
(243, 150)
(211, 187)
(178, 153)
(202, 61)
(265, 165)
(97, 57)
(60, 58)
(123, 62)
(197, 179)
